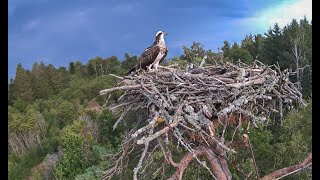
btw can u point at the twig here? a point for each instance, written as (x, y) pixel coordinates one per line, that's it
(254, 160)
(116, 76)
(121, 117)
(289, 170)
(159, 133)
(136, 169)
(103, 92)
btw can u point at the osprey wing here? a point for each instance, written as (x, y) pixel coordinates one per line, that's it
(148, 56)
(165, 54)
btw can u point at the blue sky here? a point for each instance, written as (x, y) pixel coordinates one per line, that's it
(58, 32)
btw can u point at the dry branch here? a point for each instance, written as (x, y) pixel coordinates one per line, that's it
(192, 105)
(102, 92)
(188, 158)
(289, 170)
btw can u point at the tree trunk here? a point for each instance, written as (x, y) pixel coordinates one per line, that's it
(217, 168)
(289, 170)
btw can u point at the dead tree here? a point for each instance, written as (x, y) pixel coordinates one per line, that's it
(196, 109)
(299, 54)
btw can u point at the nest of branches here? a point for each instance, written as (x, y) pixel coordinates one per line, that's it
(194, 108)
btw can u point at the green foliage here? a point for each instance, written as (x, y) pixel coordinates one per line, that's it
(71, 68)
(109, 136)
(21, 86)
(236, 53)
(20, 105)
(14, 120)
(40, 81)
(248, 44)
(87, 88)
(58, 78)
(77, 150)
(195, 53)
(177, 60)
(261, 140)
(19, 167)
(226, 49)
(102, 67)
(113, 66)
(50, 144)
(22, 122)
(91, 173)
(101, 163)
(271, 149)
(66, 113)
(195, 170)
(306, 84)
(295, 138)
(129, 62)
(80, 70)
(30, 118)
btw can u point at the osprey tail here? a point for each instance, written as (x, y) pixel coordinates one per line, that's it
(131, 70)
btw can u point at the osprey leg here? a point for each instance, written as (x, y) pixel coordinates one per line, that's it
(156, 65)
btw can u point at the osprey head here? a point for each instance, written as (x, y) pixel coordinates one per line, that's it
(161, 33)
(159, 39)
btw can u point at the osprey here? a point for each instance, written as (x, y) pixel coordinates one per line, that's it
(153, 55)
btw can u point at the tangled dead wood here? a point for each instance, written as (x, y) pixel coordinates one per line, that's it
(186, 108)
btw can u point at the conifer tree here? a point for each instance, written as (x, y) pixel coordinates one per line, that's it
(21, 86)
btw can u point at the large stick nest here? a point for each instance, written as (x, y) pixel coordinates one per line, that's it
(198, 101)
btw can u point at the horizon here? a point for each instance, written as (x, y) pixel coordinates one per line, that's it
(37, 28)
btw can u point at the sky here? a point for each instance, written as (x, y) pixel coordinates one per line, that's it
(58, 31)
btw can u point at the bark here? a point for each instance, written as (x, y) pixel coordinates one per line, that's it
(289, 170)
(188, 158)
(159, 133)
(103, 92)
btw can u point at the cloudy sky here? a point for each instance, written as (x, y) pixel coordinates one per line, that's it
(60, 31)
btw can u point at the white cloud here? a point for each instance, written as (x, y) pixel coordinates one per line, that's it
(285, 13)
(281, 14)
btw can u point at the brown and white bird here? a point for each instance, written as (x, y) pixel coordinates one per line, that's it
(153, 55)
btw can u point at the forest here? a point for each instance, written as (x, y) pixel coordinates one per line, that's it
(59, 126)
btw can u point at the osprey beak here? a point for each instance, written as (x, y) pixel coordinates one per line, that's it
(165, 33)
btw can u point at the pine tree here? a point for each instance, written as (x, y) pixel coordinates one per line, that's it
(248, 44)
(274, 48)
(226, 49)
(21, 86)
(71, 68)
(258, 46)
(129, 61)
(55, 79)
(238, 53)
(40, 81)
(112, 66)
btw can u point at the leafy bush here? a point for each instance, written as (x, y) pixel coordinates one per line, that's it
(77, 150)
